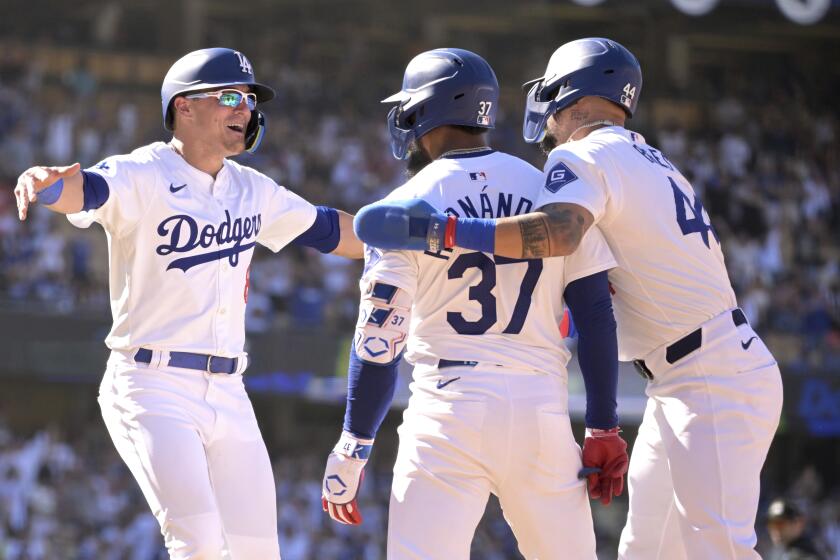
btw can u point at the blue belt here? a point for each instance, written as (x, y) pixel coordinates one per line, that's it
(190, 360)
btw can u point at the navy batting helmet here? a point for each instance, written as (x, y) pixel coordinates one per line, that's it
(212, 69)
(593, 66)
(442, 87)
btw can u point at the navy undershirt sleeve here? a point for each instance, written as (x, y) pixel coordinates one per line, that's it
(95, 190)
(324, 233)
(370, 390)
(590, 303)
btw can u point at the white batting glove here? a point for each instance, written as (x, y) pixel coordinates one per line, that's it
(343, 477)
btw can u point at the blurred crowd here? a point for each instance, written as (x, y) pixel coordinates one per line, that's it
(764, 161)
(63, 499)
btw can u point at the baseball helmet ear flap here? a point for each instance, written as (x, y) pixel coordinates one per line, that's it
(255, 131)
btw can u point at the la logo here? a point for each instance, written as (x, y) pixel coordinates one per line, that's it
(244, 63)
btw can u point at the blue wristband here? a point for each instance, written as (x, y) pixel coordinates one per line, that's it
(51, 194)
(478, 234)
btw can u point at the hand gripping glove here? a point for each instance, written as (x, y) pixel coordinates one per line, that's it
(605, 462)
(343, 477)
(412, 225)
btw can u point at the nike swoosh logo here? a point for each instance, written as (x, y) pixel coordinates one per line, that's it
(746, 344)
(441, 383)
(174, 189)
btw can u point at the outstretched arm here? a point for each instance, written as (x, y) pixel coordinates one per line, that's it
(552, 231)
(348, 244)
(58, 188)
(332, 232)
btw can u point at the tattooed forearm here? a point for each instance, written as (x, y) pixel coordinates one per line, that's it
(536, 243)
(553, 231)
(566, 225)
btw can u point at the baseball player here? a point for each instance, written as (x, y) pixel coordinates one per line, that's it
(488, 411)
(182, 221)
(714, 389)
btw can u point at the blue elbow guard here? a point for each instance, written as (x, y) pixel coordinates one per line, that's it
(397, 224)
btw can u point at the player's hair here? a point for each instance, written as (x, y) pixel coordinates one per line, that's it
(472, 130)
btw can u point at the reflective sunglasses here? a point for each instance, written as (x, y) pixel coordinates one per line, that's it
(228, 97)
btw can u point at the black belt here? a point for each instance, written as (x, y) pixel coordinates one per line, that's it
(455, 363)
(190, 360)
(685, 346)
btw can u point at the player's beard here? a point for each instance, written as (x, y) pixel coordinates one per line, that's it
(548, 143)
(417, 160)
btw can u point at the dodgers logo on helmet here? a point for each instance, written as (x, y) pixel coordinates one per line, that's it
(215, 68)
(594, 66)
(244, 63)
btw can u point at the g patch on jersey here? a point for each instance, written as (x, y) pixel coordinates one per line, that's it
(559, 176)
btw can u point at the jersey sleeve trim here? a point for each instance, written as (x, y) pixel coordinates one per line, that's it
(324, 234)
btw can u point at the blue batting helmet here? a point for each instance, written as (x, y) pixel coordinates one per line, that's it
(592, 66)
(442, 87)
(212, 69)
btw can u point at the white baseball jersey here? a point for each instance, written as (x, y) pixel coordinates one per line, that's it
(670, 276)
(515, 305)
(180, 245)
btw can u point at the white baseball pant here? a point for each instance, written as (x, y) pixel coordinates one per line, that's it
(191, 440)
(490, 430)
(694, 469)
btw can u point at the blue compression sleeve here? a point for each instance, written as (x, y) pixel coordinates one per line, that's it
(95, 190)
(324, 233)
(370, 390)
(590, 303)
(478, 234)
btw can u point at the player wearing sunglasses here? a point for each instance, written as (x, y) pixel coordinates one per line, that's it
(182, 221)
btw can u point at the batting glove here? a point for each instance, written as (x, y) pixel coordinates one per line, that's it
(404, 225)
(605, 462)
(343, 477)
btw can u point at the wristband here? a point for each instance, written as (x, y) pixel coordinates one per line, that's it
(449, 234)
(598, 433)
(478, 234)
(354, 447)
(51, 194)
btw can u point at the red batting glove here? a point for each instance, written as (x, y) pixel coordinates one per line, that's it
(347, 513)
(607, 451)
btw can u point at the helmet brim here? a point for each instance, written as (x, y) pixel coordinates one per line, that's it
(399, 97)
(527, 85)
